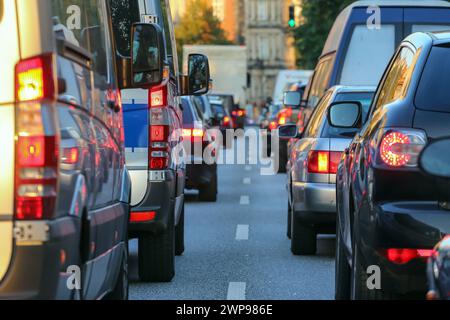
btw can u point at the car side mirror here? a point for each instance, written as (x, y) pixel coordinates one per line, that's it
(292, 99)
(346, 115)
(289, 131)
(147, 60)
(434, 159)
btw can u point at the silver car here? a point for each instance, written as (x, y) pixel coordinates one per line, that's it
(312, 167)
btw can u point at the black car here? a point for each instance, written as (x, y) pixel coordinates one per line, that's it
(222, 118)
(390, 215)
(238, 115)
(201, 172)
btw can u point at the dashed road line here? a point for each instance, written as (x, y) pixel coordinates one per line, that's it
(236, 291)
(245, 201)
(242, 232)
(247, 181)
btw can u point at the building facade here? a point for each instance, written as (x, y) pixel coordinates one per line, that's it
(270, 46)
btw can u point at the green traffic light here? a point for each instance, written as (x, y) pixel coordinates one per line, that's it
(292, 23)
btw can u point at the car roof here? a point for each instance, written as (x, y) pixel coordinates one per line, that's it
(338, 29)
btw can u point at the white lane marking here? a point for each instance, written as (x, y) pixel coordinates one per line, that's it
(242, 232)
(245, 201)
(236, 291)
(247, 181)
(248, 168)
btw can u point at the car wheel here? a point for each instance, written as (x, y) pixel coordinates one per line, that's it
(179, 235)
(342, 268)
(289, 221)
(209, 193)
(303, 238)
(157, 255)
(121, 289)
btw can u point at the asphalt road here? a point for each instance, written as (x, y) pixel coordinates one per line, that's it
(237, 248)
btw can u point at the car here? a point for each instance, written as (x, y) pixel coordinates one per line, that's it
(201, 173)
(312, 165)
(389, 213)
(222, 118)
(238, 115)
(359, 46)
(65, 189)
(433, 162)
(152, 121)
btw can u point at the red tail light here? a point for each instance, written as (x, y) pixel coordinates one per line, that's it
(282, 121)
(36, 149)
(241, 113)
(234, 113)
(323, 162)
(158, 97)
(226, 121)
(142, 216)
(273, 125)
(403, 256)
(288, 112)
(400, 148)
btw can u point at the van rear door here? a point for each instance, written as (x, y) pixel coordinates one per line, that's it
(9, 56)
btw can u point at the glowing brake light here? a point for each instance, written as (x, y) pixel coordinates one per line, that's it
(400, 148)
(142, 216)
(282, 121)
(273, 125)
(403, 256)
(34, 79)
(226, 121)
(323, 162)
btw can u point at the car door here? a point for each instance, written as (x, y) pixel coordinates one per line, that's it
(9, 57)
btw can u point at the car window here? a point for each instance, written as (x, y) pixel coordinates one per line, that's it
(188, 117)
(433, 92)
(366, 100)
(430, 27)
(218, 108)
(368, 55)
(320, 81)
(398, 79)
(315, 123)
(124, 14)
(84, 24)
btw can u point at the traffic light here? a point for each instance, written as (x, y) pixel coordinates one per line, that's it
(292, 23)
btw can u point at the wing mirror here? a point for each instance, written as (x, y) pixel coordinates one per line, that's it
(346, 115)
(198, 81)
(292, 99)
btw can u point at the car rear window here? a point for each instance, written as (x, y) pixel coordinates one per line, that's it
(433, 93)
(218, 108)
(188, 117)
(366, 100)
(368, 55)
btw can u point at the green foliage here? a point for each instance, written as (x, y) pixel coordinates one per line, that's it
(310, 37)
(199, 26)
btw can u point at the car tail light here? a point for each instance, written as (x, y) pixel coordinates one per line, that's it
(34, 79)
(226, 121)
(273, 125)
(288, 112)
(37, 145)
(193, 134)
(282, 120)
(142, 216)
(70, 155)
(158, 97)
(241, 113)
(403, 256)
(401, 148)
(323, 162)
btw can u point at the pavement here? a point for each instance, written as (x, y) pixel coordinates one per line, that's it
(237, 248)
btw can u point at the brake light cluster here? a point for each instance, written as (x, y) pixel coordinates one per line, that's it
(273, 125)
(238, 113)
(226, 121)
(37, 146)
(401, 148)
(404, 256)
(323, 162)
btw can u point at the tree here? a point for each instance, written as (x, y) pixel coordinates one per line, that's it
(310, 37)
(199, 25)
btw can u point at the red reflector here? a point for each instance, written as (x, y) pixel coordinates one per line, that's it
(158, 163)
(335, 158)
(403, 256)
(36, 151)
(142, 216)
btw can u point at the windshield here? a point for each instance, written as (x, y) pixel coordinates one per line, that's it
(366, 100)
(433, 93)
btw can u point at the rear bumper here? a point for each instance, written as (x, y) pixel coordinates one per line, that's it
(36, 271)
(314, 203)
(417, 225)
(159, 198)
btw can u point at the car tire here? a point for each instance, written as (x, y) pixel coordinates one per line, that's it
(179, 235)
(289, 221)
(209, 193)
(157, 255)
(342, 269)
(121, 289)
(303, 238)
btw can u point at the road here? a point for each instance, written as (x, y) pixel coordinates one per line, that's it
(237, 248)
